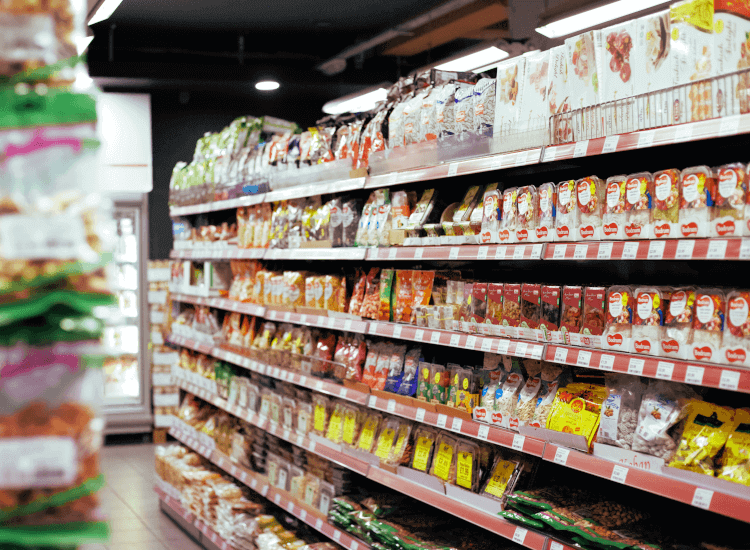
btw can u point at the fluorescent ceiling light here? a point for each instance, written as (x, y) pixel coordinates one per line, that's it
(82, 42)
(596, 16)
(357, 103)
(106, 9)
(482, 58)
(267, 85)
(495, 64)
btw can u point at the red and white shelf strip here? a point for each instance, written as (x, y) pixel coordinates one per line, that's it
(247, 200)
(200, 525)
(461, 252)
(667, 249)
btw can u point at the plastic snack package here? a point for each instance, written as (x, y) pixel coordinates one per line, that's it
(382, 367)
(506, 398)
(549, 320)
(502, 478)
(350, 221)
(663, 406)
(678, 324)
(736, 340)
(615, 207)
(531, 310)
(666, 204)
(735, 461)
(427, 129)
(593, 317)
(335, 430)
(369, 210)
(370, 429)
(576, 410)
(332, 292)
(467, 397)
(484, 106)
(402, 310)
(478, 306)
(727, 214)
(619, 331)
(422, 210)
(526, 404)
(467, 465)
(465, 310)
(706, 430)
(411, 118)
(356, 359)
(464, 109)
(352, 419)
(491, 214)
(494, 317)
(546, 209)
(371, 303)
(571, 318)
(590, 193)
(424, 446)
(408, 384)
(305, 417)
(439, 381)
(708, 324)
(371, 363)
(697, 191)
(639, 192)
(528, 211)
(509, 219)
(400, 443)
(445, 118)
(444, 458)
(358, 294)
(395, 368)
(385, 312)
(454, 372)
(648, 318)
(322, 364)
(511, 309)
(567, 214)
(321, 414)
(424, 384)
(619, 417)
(401, 205)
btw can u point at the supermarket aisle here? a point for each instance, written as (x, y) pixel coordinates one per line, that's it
(132, 506)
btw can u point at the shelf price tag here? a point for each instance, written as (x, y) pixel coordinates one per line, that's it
(656, 250)
(419, 417)
(483, 432)
(729, 125)
(503, 346)
(497, 162)
(303, 514)
(435, 337)
(392, 254)
(518, 252)
(730, 380)
(455, 338)
(683, 132)
(521, 158)
(664, 370)
(561, 455)
(684, 250)
(319, 385)
(348, 325)
(694, 375)
(318, 524)
(630, 251)
(353, 545)
(264, 490)
(581, 148)
(561, 354)
(453, 255)
(619, 474)
(457, 423)
(343, 393)
(418, 251)
(518, 441)
(605, 251)
(580, 251)
(482, 253)
(559, 252)
(584, 358)
(702, 498)
(290, 507)
(471, 342)
(391, 407)
(646, 139)
(337, 535)
(392, 178)
(554, 545)
(500, 253)
(717, 250)
(397, 331)
(419, 335)
(486, 345)
(536, 252)
(745, 249)
(549, 154)
(441, 421)
(610, 144)
(521, 348)
(536, 352)
(300, 441)
(452, 169)
(635, 366)
(520, 535)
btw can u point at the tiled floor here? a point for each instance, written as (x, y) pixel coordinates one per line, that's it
(132, 505)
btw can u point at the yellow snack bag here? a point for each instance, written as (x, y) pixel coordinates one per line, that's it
(707, 428)
(736, 460)
(576, 410)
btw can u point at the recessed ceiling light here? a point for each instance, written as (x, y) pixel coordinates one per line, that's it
(356, 103)
(469, 62)
(267, 85)
(596, 16)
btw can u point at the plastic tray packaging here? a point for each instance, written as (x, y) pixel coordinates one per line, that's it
(567, 214)
(697, 188)
(528, 214)
(614, 208)
(590, 197)
(639, 192)
(619, 331)
(708, 324)
(546, 208)
(736, 341)
(728, 211)
(666, 204)
(444, 458)
(678, 324)
(648, 319)
(491, 214)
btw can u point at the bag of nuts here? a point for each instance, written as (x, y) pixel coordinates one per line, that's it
(619, 417)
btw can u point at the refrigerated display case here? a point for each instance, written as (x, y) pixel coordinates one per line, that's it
(127, 390)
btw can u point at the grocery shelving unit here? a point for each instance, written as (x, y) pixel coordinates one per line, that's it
(703, 492)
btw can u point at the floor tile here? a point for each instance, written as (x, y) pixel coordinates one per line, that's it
(182, 543)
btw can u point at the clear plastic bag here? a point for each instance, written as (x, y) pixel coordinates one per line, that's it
(619, 417)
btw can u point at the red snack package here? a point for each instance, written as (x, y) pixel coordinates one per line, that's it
(593, 310)
(549, 322)
(358, 294)
(324, 354)
(571, 317)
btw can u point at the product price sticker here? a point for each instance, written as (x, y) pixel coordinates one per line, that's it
(521, 157)
(457, 423)
(581, 148)
(554, 545)
(630, 251)
(318, 524)
(702, 498)
(373, 401)
(745, 249)
(392, 254)
(664, 370)
(453, 254)
(391, 406)
(646, 138)
(452, 169)
(518, 441)
(584, 358)
(337, 535)
(486, 345)
(558, 253)
(500, 253)
(442, 420)
(561, 354)
(290, 507)
(435, 337)
(729, 125)
(471, 342)
(656, 250)
(518, 252)
(503, 346)
(619, 474)
(685, 250)
(520, 535)
(580, 251)
(717, 250)
(397, 331)
(605, 251)
(730, 380)
(482, 253)
(607, 362)
(353, 545)
(483, 432)
(418, 251)
(561, 455)
(635, 366)
(419, 335)
(610, 144)
(455, 338)
(419, 417)
(521, 348)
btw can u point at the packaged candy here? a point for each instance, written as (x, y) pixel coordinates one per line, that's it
(727, 214)
(590, 198)
(708, 324)
(491, 214)
(571, 319)
(619, 331)
(484, 106)
(531, 309)
(528, 210)
(545, 212)
(666, 205)
(444, 459)
(735, 461)
(464, 110)
(707, 428)
(615, 208)
(424, 447)
(509, 219)
(593, 318)
(549, 321)
(567, 212)
(648, 318)
(678, 324)
(736, 340)
(526, 405)
(400, 443)
(478, 306)
(639, 191)
(576, 410)
(395, 368)
(511, 309)
(697, 191)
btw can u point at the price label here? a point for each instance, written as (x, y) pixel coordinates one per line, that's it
(303, 514)
(303, 319)
(300, 441)
(471, 342)
(635, 366)
(646, 139)
(717, 250)
(521, 158)
(435, 337)
(605, 251)
(536, 251)
(343, 393)
(373, 401)
(702, 498)
(619, 474)
(503, 346)
(630, 251)
(482, 253)
(319, 385)
(391, 407)
(254, 483)
(561, 455)
(561, 354)
(580, 251)
(486, 345)
(457, 423)
(285, 435)
(729, 125)
(584, 358)
(455, 338)
(441, 421)
(392, 178)
(610, 144)
(483, 432)
(664, 370)
(318, 524)
(500, 253)
(290, 507)
(348, 325)
(337, 535)
(520, 535)
(730, 380)
(497, 162)
(549, 154)
(581, 148)
(418, 253)
(518, 441)
(303, 380)
(331, 322)
(536, 352)
(521, 348)
(397, 331)
(419, 335)
(694, 375)
(311, 448)
(353, 545)
(287, 316)
(656, 250)
(684, 250)
(419, 417)
(554, 545)
(559, 251)
(264, 490)
(243, 476)
(452, 169)
(683, 132)
(453, 255)
(519, 252)
(392, 254)
(745, 249)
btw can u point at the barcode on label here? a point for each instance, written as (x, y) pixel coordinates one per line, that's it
(452, 169)
(619, 474)
(519, 252)
(702, 498)
(580, 251)
(694, 375)
(518, 441)
(561, 354)
(561, 455)
(471, 341)
(717, 250)
(635, 366)
(584, 358)
(630, 251)
(580, 149)
(521, 348)
(730, 380)
(610, 144)
(483, 432)
(435, 337)
(482, 253)
(685, 250)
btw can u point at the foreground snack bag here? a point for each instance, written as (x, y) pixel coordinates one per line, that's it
(706, 431)
(619, 418)
(735, 462)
